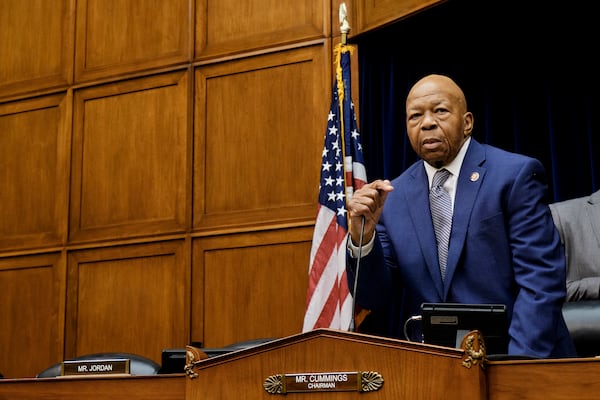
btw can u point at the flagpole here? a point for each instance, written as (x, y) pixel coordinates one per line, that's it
(344, 29)
(341, 48)
(344, 25)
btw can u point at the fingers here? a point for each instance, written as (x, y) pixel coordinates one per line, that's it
(369, 199)
(367, 202)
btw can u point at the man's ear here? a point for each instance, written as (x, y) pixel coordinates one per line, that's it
(468, 122)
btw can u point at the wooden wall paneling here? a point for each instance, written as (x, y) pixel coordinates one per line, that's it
(34, 151)
(258, 137)
(373, 14)
(36, 50)
(114, 37)
(131, 158)
(227, 27)
(249, 286)
(32, 313)
(132, 299)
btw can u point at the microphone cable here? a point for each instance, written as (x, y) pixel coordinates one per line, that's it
(413, 318)
(359, 256)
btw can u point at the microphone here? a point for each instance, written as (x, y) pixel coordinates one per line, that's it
(351, 328)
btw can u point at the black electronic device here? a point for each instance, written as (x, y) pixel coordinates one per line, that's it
(446, 324)
(173, 360)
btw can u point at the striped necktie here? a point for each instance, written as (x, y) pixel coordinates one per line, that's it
(441, 214)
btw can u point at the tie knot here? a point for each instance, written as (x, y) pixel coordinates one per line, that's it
(440, 177)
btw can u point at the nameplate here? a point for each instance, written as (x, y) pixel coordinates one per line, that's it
(324, 382)
(95, 367)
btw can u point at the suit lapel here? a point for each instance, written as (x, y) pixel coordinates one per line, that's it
(468, 185)
(593, 212)
(417, 199)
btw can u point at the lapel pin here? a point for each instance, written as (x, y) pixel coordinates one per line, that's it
(474, 176)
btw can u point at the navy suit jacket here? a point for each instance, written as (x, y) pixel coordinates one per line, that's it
(504, 248)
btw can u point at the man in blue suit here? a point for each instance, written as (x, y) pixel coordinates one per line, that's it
(503, 246)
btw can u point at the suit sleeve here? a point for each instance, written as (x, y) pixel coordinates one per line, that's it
(538, 264)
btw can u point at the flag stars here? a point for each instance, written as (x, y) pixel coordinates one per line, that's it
(328, 181)
(341, 211)
(330, 116)
(333, 130)
(326, 166)
(335, 145)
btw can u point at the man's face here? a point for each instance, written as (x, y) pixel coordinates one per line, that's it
(437, 122)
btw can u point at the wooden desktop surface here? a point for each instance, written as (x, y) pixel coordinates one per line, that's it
(412, 371)
(151, 387)
(556, 379)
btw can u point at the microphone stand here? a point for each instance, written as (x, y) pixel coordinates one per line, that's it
(351, 328)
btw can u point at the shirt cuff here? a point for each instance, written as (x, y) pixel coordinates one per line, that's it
(353, 249)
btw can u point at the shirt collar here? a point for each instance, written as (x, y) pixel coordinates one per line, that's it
(453, 166)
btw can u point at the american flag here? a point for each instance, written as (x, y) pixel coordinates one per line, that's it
(329, 302)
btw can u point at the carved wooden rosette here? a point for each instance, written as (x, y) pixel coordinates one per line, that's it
(193, 355)
(474, 346)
